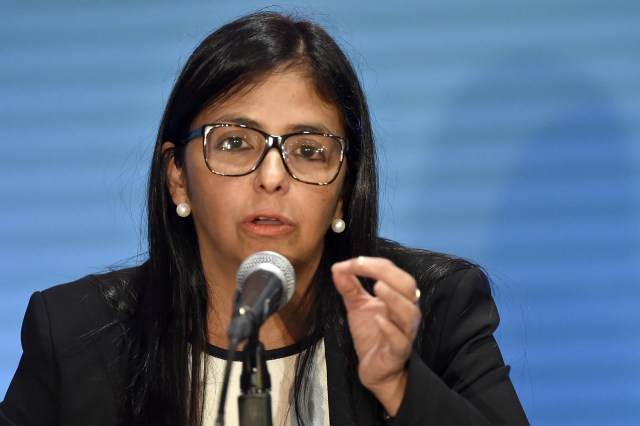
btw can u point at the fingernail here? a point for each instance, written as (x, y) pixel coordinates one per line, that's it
(379, 286)
(338, 265)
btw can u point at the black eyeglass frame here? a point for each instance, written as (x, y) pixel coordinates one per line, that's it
(271, 141)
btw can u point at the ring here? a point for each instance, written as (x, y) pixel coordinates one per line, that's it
(417, 298)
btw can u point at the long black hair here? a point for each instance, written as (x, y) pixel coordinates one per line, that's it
(165, 305)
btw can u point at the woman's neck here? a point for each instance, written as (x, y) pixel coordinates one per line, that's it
(285, 327)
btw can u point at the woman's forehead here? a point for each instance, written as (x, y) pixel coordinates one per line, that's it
(290, 91)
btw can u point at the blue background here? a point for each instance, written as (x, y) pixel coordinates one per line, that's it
(509, 134)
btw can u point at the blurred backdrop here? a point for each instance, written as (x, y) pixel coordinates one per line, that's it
(509, 134)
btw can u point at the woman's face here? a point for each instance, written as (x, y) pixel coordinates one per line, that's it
(267, 209)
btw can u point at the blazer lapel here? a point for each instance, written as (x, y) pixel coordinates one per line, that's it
(343, 410)
(109, 348)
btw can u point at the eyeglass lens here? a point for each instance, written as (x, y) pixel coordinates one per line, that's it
(232, 150)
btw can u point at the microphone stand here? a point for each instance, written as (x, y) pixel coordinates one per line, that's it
(254, 403)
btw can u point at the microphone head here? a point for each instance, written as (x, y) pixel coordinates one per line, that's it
(272, 262)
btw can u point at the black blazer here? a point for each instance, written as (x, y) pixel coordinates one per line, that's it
(71, 369)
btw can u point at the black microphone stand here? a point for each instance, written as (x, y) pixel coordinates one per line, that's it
(254, 403)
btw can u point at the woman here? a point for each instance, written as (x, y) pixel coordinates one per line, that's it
(410, 344)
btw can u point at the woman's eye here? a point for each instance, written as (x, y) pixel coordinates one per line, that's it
(233, 143)
(310, 152)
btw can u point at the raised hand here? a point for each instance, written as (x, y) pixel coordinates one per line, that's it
(383, 326)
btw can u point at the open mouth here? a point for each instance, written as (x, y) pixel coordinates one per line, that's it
(269, 226)
(260, 220)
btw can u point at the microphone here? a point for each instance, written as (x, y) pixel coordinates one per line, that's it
(265, 283)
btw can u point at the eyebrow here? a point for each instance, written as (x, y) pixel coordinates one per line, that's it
(299, 127)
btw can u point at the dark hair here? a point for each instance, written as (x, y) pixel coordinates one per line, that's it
(165, 305)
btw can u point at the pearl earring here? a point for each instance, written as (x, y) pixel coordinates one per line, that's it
(183, 209)
(338, 226)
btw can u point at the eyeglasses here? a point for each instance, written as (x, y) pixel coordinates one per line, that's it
(237, 150)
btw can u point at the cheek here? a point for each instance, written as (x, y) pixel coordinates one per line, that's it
(211, 194)
(325, 208)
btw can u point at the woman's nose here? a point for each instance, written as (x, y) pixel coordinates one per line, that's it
(271, 175)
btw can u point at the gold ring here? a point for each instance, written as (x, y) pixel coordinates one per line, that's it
(417, 299)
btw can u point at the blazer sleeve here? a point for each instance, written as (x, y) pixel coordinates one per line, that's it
(32, 395)
(456, 374)
(70, 369)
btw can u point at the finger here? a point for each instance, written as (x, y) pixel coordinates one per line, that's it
(350, 289)
(404, 313)
(380, 269)
(399, 344)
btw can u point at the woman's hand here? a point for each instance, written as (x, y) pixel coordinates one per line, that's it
(383, 326)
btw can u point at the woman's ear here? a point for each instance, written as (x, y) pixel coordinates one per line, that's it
(176, 181)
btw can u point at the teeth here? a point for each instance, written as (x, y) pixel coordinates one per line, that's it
(267, 219)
